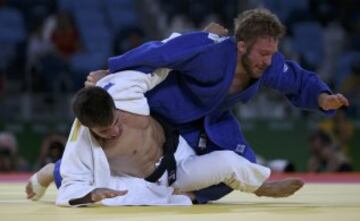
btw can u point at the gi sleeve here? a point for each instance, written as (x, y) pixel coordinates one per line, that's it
(76, 168)
(300, 86)
(128, 88)
(170, 53)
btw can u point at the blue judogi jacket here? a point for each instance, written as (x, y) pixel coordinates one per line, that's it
(195, 97)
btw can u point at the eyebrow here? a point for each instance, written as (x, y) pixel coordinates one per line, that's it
(268, 50)
(115, 122)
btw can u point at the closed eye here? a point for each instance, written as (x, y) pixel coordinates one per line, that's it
(109, 128)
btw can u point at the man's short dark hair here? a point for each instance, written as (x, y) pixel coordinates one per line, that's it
(255, 23)
(93, 107)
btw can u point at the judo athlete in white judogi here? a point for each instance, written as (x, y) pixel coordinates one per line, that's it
(131, 154)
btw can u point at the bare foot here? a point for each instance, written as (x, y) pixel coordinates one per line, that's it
(38, 183)
(191, 195)
(280, 188)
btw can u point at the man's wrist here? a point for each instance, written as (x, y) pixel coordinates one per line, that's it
(321, 99)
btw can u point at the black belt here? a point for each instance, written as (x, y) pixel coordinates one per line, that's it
(168, 162)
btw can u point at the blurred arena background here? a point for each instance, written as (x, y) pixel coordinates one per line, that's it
(47, 47)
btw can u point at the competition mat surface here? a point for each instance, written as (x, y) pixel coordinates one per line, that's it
(326, 197)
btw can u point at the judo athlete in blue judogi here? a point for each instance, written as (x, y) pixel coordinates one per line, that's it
(211, 74)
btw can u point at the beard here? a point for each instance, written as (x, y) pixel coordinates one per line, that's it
(245, 61)
(247, 64)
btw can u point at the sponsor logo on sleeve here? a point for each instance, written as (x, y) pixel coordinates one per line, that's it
(216, 38)
(108, 86)
(240, 148)
(285, 68)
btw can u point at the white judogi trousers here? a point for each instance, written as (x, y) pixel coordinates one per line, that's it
(196, 172)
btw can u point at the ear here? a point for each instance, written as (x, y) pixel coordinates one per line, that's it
(241, 47)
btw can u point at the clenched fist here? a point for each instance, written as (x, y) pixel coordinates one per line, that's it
(94, 76)
(216, 29)
(332, 101)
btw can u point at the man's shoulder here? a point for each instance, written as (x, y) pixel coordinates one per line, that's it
(278, 63)
(202, 35)
(80, 135)
(277, 58)
(278, 66)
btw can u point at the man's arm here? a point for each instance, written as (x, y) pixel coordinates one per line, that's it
(170, 53)
(332, 101)
(94, 76)
(217, 29)
(77, 171)
(97, 195)
(303, 88)
(76, 167)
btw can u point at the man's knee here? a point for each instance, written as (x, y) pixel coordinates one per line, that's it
(230, 158)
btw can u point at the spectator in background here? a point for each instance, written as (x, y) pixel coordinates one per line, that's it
(180, 23)
(334, 44)
(324, 157)
(2, 82)
(10, 161)
(340, 131)
(65, 36)
(52, 148)
(128, 39)
(351, 87)
(281, 165)
(38, 46)
(37, 49)
(277, 165)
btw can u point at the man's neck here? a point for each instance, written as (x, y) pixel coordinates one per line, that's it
(99, 139)
(241, 73)
(241, 79)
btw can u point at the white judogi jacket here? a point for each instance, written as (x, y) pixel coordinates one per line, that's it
(84, 164)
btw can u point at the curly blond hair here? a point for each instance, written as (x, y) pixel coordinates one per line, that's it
(254, 23)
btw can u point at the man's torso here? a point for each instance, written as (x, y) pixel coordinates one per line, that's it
(138, 149)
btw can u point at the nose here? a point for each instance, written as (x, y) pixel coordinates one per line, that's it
(114, 131)
(267, 61)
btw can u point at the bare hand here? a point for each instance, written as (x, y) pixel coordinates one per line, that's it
(215, 28)
(29, 191)
(94, 76)
(332, 102)
(99, 194)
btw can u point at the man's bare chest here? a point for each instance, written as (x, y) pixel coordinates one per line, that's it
(135, 152)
